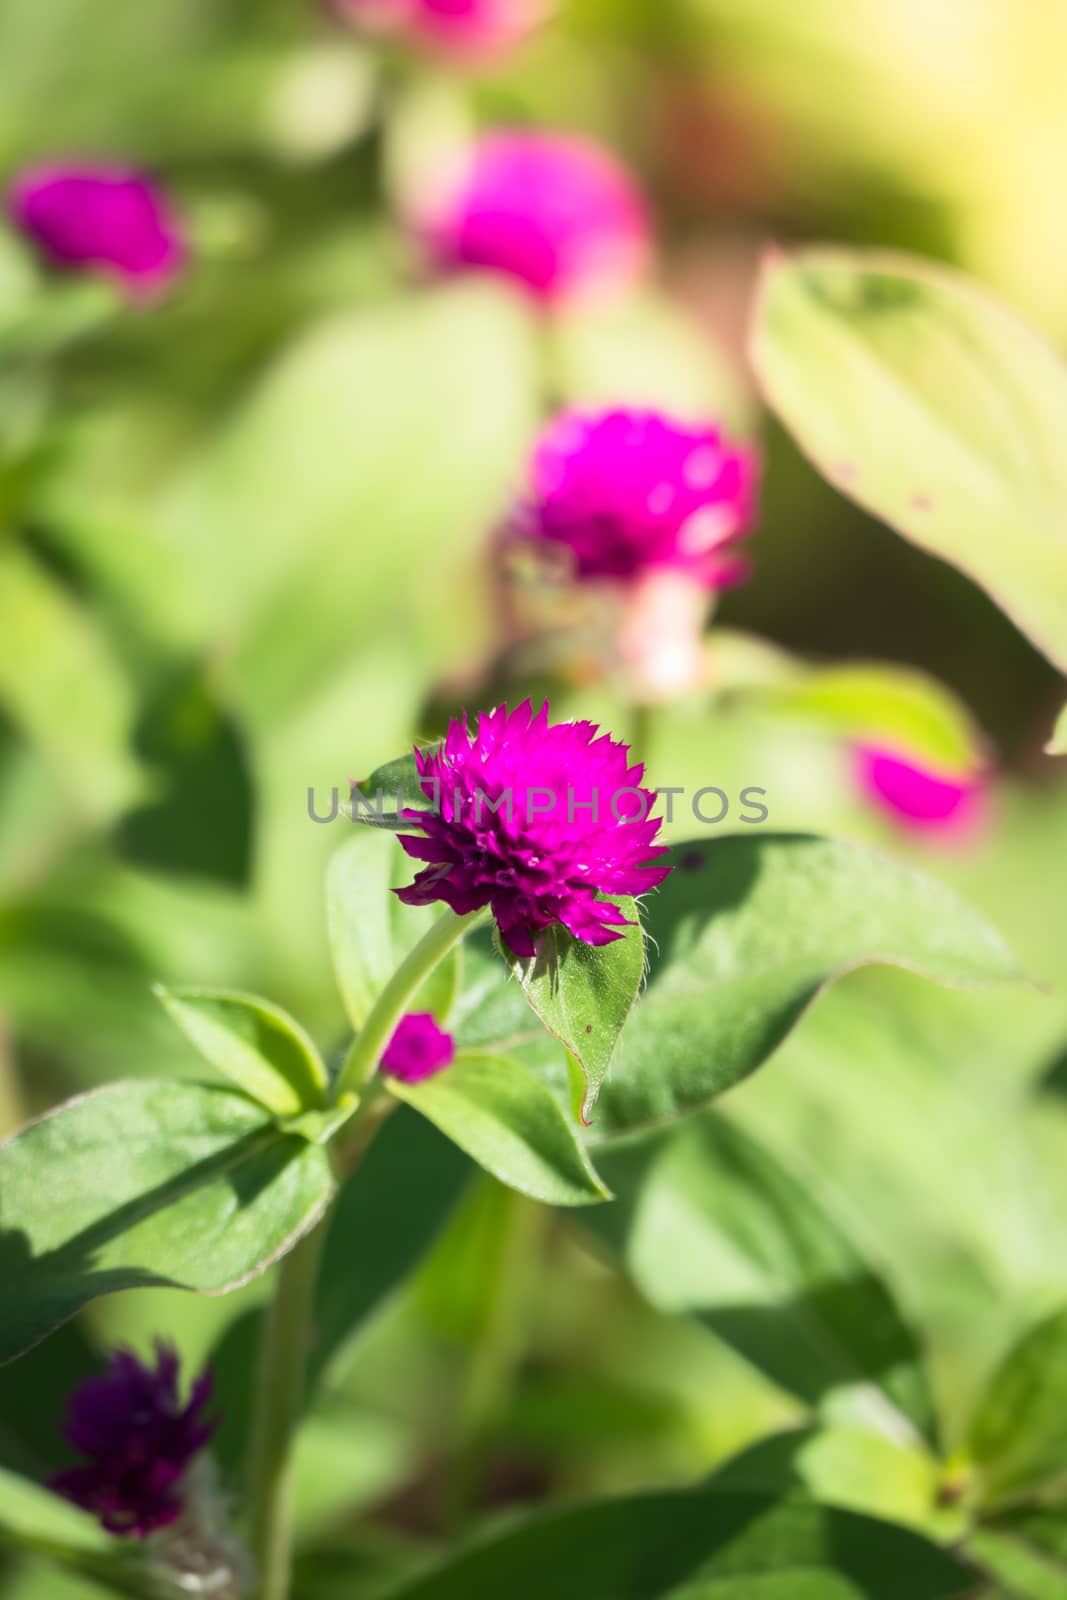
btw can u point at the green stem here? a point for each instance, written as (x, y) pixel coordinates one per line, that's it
(640, 732)
(280, 1392)
(362, 1060)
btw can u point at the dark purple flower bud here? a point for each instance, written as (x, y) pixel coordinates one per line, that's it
(140, 1441)
(87, 215)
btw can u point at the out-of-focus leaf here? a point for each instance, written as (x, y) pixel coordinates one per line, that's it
(371, 931)
(584, 993)
(742, 937)
(33, 1519)
(1018, 1438)
(31, 1441)
(346, 1460)
(858, 1469)
(1058, 743)
(887, 705)
(707, 1221)
(143, 1183)
(925, 400)
(511, 1125)
(1025, 1552)
(646, 351)
(61, 686)
(198, 760)
(258, 1046)
(702, 1544)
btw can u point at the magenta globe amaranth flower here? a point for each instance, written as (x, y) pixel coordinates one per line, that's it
(536, 820)
(629, 492)
(918, 798)
(419, 1049)
(87, 216)
(140, 1440)
(554, 212)
(467, 30)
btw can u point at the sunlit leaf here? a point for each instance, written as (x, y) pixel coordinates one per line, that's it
(146, 1183)
(929, 403)
(1018, 1438)
(258, 1046)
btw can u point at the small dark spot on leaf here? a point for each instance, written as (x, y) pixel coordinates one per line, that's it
(922, 502)
(692, 861)
(589, 1028)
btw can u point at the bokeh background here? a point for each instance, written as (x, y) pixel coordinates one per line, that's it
(243, 544)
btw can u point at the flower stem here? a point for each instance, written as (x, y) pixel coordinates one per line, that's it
(280, 1392)
(640, 731)
(362, 1060)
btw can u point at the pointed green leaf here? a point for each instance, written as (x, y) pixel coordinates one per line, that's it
(924, 399)
(371, 931)
(378, 801)
(743, 936)
(510, 1124)
(1018, 1438)
(141, 1183)
(769, 1268)
(583, 994)
(258, 1046)
(701, 1544)
(1026, 1551)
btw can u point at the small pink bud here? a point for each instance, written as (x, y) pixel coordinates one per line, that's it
(85, 216)
(918, 798)
(419, 1049)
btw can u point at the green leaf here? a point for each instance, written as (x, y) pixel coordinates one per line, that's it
(771, 1271)
(742, 938)
(60, 684)
(583, 994)
(371, 931)
(145, 1183)
(1057, 745)
(1018, 1438)
(921, 397)
(510, 1124)
(35, 1518)
(378, 801)
(701, 1544)
(258, 1046)
(1026, 1552)
(883, 704)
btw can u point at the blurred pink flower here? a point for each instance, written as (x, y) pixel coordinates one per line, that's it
(918, 798)
(466, 30)
(537, 821)
(627, 494)
(556, 212)
(419, 1049)
(86, 215)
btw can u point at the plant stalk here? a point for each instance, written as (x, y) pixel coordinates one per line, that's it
(362, 1060)
(280, 1392)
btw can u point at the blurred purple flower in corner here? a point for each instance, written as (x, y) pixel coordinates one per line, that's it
(89, 216)
(917, 798)
(139, 1439)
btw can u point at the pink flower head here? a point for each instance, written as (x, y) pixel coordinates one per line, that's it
(466, 30)
(140, 1441)
(629, 493)
(537, 821)
(916, 797)
(419, 1049)
(555, 212)
(86, 215)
